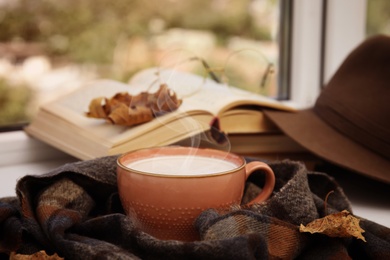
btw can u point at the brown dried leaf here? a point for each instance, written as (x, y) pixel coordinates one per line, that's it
(165, 100)
(341, 224)
(128, 116)
(96, 108)
(124, 109)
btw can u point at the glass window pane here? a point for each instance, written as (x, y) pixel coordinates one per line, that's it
(50, 47)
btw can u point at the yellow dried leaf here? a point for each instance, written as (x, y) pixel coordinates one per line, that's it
(341, 224)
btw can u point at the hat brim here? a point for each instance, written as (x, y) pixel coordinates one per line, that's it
(310, 131)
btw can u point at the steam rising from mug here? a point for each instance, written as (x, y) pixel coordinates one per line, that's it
(206, 135)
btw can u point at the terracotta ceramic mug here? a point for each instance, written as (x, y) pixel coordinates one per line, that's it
(165, 189)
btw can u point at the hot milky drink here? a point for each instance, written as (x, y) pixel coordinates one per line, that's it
(182, 165)
(164, 189)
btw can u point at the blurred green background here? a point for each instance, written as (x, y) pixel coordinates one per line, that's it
(98, 33)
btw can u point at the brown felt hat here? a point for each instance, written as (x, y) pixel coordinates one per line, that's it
(349, 124)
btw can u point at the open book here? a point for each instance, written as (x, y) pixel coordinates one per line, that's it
(63, 124)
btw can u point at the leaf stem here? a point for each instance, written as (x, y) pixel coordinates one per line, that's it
(326, 202)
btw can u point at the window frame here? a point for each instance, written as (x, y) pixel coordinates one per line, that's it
(323, 33)
(344, 30)
(306, 47)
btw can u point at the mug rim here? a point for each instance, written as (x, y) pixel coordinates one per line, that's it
(233, 155)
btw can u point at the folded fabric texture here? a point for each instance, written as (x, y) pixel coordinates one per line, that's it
(75, 212)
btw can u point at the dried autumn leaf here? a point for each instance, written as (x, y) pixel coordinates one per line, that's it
(41, 255)
(128, 116)
(96, 109)
(128, 110)
(341, 224)
(165, 100)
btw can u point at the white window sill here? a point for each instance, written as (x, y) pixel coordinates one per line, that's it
(21, 155)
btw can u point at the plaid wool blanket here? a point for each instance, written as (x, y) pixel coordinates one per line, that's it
(74, 212)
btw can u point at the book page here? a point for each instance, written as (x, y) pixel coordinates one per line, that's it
(72, 108)
(199, 95)
(204, 93)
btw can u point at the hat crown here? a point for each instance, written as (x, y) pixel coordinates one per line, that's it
(356, 101)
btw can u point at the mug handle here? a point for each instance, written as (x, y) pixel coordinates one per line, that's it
(269, 180)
